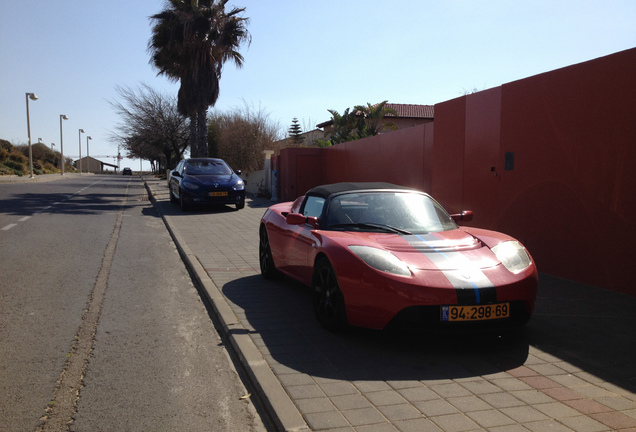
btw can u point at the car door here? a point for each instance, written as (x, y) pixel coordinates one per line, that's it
(174, 180)
(299, 249)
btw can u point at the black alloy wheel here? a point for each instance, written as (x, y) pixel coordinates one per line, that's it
(328, 300)
(268, 270)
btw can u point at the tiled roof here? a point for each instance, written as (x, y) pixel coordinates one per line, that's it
(412, 111)
(403, 111)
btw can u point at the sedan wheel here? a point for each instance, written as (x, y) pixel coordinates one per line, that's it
(268, 271)
(184, 206)
(173, 199)
(328, 300)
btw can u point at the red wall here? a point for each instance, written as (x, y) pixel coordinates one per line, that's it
(568, 196)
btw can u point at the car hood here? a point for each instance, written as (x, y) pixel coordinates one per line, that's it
(447, 250)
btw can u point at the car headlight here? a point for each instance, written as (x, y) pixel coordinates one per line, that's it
(512, 255)
(381, 260)
(240, 185)
(190, 186)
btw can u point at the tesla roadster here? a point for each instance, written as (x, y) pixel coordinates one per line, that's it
(376, 254)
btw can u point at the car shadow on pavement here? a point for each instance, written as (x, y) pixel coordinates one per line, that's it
(279, 316)
(590, 329)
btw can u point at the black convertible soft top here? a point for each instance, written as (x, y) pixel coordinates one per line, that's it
(326, 190)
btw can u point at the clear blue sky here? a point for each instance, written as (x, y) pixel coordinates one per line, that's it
(306, 57)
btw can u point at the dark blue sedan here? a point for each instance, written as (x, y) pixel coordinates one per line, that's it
(206, 181)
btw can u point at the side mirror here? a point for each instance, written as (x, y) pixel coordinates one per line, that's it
(465, 216)
(175, 173)
(298, 219)
(238, 172)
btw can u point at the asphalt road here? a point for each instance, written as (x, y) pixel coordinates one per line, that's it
(101, 327)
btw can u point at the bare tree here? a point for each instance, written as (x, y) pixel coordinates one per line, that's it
(240, 135)
(150, 125)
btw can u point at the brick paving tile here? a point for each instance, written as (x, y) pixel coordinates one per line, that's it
(390, 397)
(304, 391)
(509, 428)
(315, 405)
(547, 369)
(502, 400)
(510, 384)
(325, 420)
(338, 389)
(556, 410)
(449, 390)
(380, 427)
(371, 386)
(615, 420)
(547, 426)
(490, 418)
(455, 423)
(469, 403)
(436, 407)
(539, 382)
(480, 387)
(594, 391)
(524, 414)
(568, 380)
(400, 412)
(587, 406)
(418, 394)
(531, 396)
(364, 416)
(417, 425)
(522, 371)
(349, 402)
(584, 424)
(563, 394)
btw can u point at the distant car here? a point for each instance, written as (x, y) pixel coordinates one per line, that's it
(377, 253)
(201, 181)
(126, 171)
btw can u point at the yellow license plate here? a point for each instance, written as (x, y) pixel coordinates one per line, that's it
(218, 193)
(475, 313)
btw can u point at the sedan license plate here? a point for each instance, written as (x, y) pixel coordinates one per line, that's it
(218, 193)
(475, 313)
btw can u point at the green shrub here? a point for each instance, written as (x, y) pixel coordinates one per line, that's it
(17, 166)
(18, 157)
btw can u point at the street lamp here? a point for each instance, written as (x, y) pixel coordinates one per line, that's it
(31, 96)
(88, 162)
(62, 117)
(81, 131)
(52, 145)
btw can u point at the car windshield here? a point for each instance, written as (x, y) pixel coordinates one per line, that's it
(397, 212)
(207, 168)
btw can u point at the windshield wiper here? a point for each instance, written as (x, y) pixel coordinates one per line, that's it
(372, 225)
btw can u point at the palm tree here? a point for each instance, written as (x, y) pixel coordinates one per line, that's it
(374, 117)
(190, 42)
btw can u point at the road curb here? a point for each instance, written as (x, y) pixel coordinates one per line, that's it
(281, 408)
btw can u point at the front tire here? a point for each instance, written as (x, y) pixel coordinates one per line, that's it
(268, 270)
(182, 203)
(328, 301)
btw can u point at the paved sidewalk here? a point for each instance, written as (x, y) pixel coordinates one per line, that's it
(572, 369)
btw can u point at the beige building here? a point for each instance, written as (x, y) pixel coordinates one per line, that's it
(89, 164)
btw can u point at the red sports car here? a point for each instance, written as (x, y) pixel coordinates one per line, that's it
(377, 253)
